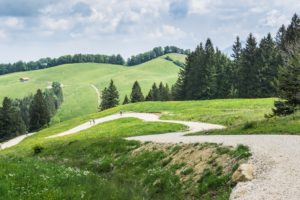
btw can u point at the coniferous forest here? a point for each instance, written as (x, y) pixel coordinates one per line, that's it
(29, 114)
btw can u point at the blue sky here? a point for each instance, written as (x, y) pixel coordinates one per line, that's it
(31, 29)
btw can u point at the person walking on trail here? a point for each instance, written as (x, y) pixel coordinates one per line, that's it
(94, 121)
(90, 121)
(121, 112)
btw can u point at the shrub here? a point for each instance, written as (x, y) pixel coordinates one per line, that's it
(37, 149)
(282, 108)
(249, 125)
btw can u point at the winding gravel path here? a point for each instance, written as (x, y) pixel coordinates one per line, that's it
(276, 157)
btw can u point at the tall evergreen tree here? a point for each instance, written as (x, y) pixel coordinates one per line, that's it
(269, 62)
(11, 123)
(177, 90)
(39, 113)
(237, 54)
(136, 93)
(109, 96)
(249, 70)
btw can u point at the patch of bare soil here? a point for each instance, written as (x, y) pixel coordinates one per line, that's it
(191, 160)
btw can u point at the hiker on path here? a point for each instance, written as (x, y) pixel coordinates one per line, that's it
(121, 112)
(94, 121)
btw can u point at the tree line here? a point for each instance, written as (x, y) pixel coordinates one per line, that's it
(88, 58)
(252, 72)
(156, 52)
(29, 114)
(67, 59)
(110, 95)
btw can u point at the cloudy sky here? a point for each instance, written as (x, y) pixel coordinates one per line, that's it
(30, 29)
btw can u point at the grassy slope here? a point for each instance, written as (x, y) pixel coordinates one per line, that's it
(80, 97)
(109, 159)
(98, 162)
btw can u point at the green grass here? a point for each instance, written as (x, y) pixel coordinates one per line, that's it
(279, 125)
(228, 112)
(82, 162)
(99, 157)
(80, 97)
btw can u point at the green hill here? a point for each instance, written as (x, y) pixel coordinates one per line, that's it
(80, 96)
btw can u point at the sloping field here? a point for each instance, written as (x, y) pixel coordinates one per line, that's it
(80, 96)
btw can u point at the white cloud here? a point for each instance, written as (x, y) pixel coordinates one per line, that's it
(13, 22)
(168, 32)
(51, 24)
(199, 6)
(274, 19)
(3, 35)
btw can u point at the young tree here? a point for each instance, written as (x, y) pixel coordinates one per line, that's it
(126, 100)
(56, 87)
(136, 93)
(39, 113)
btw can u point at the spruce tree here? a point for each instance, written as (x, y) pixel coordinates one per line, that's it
(126, 100)
(104, 100)
(11, 123)
(155, 92)
(269, 62)
(113, 94)
(237, 54)
(39, 113)
(149, 96)
(289, 81)
(136, 93)
(109, 96)
(249, 70)
(177, 90)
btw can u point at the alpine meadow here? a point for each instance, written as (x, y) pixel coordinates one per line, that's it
(142, 100)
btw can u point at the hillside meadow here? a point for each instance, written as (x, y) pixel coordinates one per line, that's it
(80, 97)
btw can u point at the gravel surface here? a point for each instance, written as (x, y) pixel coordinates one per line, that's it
(276, 158)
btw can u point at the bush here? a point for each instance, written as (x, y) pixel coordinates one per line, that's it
(37, 149)
(249, 125)
(282, 108)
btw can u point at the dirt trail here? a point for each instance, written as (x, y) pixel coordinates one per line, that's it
(97, 92)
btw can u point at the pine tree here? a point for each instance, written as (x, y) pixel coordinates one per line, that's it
(149, 96)
(104, 100)
(109, 96)
(136, 93)
(289, 81)
(177, 90)
(39, 113)
(126, 100)
(163, 92)
(249, 70)
(269, 61)
(237, 54)
(11, 123)
(155, 93)
(223, 76)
